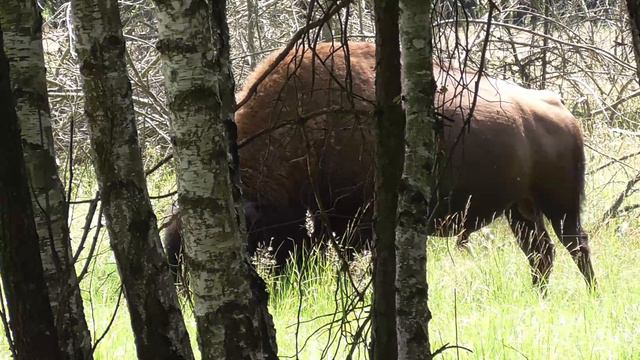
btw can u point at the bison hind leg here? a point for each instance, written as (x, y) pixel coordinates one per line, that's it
(566, 225)
(527, 224)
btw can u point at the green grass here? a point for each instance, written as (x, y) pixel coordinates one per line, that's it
(481, 300)
(500, 316)
(487, 298)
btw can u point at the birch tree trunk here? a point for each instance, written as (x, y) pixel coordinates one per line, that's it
(418, 89)
(230, 300)
(156, 319)
(25, 290)
(389, 158)
(252, 29)
(633, 6)
(22, 24)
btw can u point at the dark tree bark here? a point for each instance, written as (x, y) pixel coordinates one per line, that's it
(23, 44)
(633, 6)
(28, 305)
(156, 319)
(390, 123)
(230, 300)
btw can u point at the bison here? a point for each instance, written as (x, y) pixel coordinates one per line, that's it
(305, 137)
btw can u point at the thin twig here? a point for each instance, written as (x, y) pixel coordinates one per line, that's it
(113, 318)
(169, 194)
(600, 152)
(616, 103)
(301, 120)
(591, 48)
(445, 347)
(87, 225)
(158, 165)
(516, 350)
(614, 161)
(613, 210)
(5, 324)
(285, 51)
(92, 249)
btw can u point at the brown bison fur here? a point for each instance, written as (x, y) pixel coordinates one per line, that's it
(309, 126)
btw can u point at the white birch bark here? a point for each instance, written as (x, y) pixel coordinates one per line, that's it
(418, 88)
(156, 319)
(22, 23)
(230, 312)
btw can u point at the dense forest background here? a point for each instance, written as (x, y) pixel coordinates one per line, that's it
(481, 299)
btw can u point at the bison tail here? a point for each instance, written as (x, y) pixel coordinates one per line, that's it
(580, 171)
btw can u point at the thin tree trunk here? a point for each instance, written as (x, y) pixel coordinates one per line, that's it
(230, 299)
(546, 28)
(28, 305)
(156, 319)
(332, 29)
(361, 8)
(252, 25)
(634, 21)
(22, 23)
(418, 89)
(389, 159)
